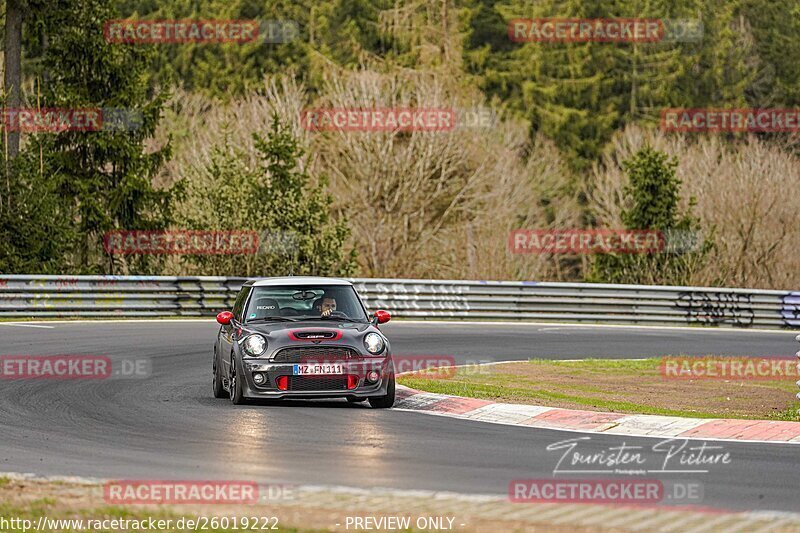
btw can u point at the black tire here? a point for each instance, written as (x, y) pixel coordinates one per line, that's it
(356, 400)
(219, 390)
(384, 402)
(237, 396)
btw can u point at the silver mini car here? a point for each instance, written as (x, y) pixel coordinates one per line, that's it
(302, 337)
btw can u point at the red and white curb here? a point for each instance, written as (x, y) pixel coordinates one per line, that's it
(772, 431)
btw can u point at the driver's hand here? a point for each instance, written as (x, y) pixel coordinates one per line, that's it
(326, 312)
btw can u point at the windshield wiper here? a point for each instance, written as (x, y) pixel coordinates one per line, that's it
(270, 319)
(340, 318)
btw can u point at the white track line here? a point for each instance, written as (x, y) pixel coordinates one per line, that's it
(17, 325)
(697, 329)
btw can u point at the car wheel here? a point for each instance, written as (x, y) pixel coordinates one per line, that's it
(237, 396)
(219, 391)
(384, 402)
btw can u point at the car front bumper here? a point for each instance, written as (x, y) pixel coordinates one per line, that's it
(317, 386)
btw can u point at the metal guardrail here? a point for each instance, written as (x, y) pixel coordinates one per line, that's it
(146, 296)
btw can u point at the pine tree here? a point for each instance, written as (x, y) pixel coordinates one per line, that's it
(276, 199)
(652, 196)
(105, 177)
(86, 182)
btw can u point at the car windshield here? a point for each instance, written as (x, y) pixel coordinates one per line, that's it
(305, 302)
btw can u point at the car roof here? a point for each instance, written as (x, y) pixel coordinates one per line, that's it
(296, 280)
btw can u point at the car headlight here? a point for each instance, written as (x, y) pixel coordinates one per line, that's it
(374, 343)
(255, 345)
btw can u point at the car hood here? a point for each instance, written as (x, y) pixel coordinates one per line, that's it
(311, 332)
(270, 327)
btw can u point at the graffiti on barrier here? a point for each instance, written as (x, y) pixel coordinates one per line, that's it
(791, 309)
(717, 308)
(435, 299)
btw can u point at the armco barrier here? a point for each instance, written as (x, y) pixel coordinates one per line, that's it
(139, 296)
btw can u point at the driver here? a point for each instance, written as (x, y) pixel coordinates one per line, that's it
(328, 306)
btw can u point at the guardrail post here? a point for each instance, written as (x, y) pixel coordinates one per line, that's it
(798, 369)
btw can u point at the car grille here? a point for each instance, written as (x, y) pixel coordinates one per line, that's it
(317, 383)
(304, 354)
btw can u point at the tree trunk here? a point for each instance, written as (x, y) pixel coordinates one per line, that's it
(13, 66)
(11, 83)
(445, 32)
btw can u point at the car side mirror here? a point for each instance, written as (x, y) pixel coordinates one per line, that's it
(382, 317)
(225, 318)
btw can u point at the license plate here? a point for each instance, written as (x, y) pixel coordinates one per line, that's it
(318, 369)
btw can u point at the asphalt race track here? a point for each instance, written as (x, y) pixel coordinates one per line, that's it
(168, 425)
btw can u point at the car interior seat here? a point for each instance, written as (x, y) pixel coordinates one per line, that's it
(267, 307)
